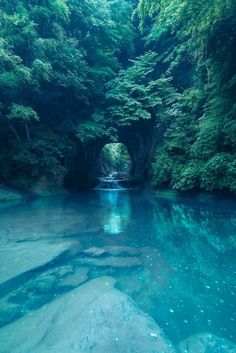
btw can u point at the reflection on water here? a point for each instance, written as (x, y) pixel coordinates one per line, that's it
(174, 257)
(116, 218)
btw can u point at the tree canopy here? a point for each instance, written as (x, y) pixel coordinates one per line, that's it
(79, 70)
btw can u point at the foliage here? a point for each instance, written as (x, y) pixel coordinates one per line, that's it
(115, 158)
(22, 112)
(80, 70)
(44, 157)
(136, 93)
(195, 41)
(56, 57)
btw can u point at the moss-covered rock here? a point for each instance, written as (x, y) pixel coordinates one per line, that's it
(9, 195)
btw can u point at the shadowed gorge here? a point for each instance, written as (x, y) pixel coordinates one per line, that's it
(158, 76)
(83, 162)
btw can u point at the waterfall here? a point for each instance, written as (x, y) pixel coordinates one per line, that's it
(109, 182)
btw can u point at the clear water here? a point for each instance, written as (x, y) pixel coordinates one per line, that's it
(185, 273)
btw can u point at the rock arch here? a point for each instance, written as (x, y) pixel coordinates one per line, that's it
(83, 161)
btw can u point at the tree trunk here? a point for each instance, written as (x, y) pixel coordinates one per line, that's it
(14, 131)
(27, 131)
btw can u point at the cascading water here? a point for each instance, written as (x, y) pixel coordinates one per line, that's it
(109, 182)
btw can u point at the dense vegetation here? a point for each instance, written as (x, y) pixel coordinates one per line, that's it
(196, 43)
(115, 158)
(55, 58)
(78, 70)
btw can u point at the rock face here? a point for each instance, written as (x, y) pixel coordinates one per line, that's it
(18, 258)
(94, 318)
(206, 343)
(84, 164)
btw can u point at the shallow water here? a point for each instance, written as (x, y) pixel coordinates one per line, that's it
(178, 263)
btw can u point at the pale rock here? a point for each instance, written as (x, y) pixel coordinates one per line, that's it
(94, 318)
(18, 258)
(206, 343)
(94, 251)
(76, 278)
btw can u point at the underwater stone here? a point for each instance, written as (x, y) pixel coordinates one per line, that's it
(79, 276)
(121, 250)
(93, 318)
(112, 250)
(111, 261)
(42, 285)
(17, 258)
(94, 251)
(206, 343)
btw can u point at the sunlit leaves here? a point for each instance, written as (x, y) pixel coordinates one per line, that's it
(22, 112)
(41, 70)
(60, 9)
(134, 95)
(91, 130)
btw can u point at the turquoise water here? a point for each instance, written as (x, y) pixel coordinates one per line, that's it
(174, 256)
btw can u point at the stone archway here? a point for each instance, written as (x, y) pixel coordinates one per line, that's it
(83, 162)
(115, 158)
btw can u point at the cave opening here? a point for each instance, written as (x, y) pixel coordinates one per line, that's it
(127, 160)
(115, 159)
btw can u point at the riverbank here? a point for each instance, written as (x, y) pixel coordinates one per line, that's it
(7, 194)
(197, 194)
(12, 193)
(17, 192)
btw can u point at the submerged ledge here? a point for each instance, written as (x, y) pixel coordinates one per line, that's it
(93, 318)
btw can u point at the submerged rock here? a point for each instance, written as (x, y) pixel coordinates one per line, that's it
(76, 278)
(111, 261)
(122, 250)
(206, 343)
(94, 318)
(94, 251)
(18, 258)
(112, 250)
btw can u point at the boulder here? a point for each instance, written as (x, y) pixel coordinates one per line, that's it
(17, 258)
(93, 318)
(206, 343)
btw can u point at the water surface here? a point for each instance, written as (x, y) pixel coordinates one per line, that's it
(174, 256)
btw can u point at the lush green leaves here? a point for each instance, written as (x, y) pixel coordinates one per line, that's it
(135, 93)
(22, 112)
(72, 64)
(195, 40)
(56, 57)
